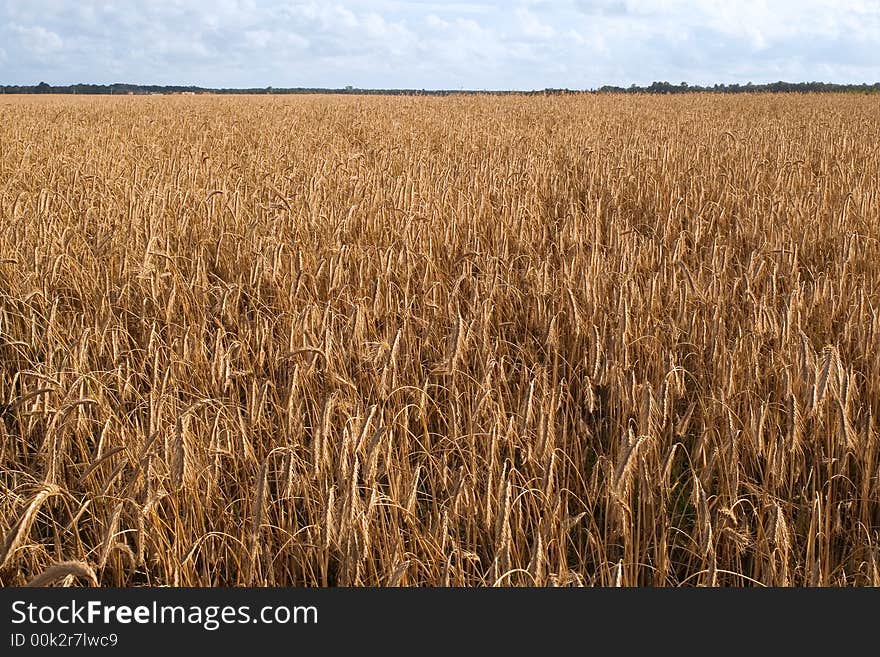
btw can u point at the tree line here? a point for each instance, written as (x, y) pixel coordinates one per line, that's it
(653, 88)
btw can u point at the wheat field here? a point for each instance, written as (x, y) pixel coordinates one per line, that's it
(461, 341)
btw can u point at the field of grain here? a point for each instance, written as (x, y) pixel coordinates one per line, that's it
(583, 340)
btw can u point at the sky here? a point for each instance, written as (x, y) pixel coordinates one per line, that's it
(534, 44)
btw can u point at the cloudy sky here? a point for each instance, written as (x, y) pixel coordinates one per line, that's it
(423, 44)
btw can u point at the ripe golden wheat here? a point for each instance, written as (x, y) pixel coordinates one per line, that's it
(586, 340)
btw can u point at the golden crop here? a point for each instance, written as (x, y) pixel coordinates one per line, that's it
(601, 340)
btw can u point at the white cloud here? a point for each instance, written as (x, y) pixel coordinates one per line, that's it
(37, 39)
(489, 44)
(274, 40)
(434, 22)
(532, 26)
(604, 7)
